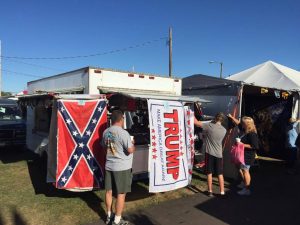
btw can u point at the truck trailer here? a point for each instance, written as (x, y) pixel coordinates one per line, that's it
(127, 91)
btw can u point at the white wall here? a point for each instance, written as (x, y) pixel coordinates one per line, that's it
(66, 81)
(90, 80)
(36, 142)
(122, 80)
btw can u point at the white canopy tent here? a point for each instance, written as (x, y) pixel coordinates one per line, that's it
(270, 74)
(268, 92)
(272, 91)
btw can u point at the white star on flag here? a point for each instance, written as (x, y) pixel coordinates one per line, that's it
(88, 133)
(64, 179)
(75, 133)
(70, 168)
(62, 109)
(75, 157)
(81, 145)
(94, 121)
(100, 109)
(68, 121)
(89, 157)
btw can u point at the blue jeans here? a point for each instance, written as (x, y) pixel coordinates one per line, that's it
(245, 167)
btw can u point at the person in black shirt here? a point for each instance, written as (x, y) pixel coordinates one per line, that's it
(136, 126)
(250, 140)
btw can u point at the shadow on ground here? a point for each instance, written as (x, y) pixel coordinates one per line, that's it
(1, 219)
(274, 200)
(139, 190)
(37, 169)
(14, 154)
(141, 219)
(17, 218)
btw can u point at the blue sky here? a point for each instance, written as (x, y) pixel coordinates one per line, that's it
(240, 33)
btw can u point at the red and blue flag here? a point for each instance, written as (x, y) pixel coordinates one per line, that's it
(80, 155)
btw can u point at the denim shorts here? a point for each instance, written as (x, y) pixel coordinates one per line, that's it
(245, 167)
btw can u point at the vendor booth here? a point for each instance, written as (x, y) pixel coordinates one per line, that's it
(267, 92)
(67, 114)
(76, 123)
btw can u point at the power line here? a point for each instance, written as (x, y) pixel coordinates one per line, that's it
(21, 74)
(86, 56)
(31, 64)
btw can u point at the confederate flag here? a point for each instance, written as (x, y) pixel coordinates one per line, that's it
(80, 156)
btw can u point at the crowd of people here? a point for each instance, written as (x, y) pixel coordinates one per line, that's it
(214, 134)
(120, 148)
(213, 145)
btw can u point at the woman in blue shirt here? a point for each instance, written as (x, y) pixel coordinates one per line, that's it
(291, 136)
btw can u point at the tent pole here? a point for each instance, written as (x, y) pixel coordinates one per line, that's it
(241, 101)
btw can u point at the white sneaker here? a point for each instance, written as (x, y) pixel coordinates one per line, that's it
(241, 185)
(244, 191)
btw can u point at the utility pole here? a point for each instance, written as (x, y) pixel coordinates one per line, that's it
(221, 67)
(0, 70)
(221, 70)
(170, 51)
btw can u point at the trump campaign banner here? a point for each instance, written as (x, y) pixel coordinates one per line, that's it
(168, 166)
(80, 156)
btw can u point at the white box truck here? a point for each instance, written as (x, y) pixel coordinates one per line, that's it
(90, 80)
(128, 91)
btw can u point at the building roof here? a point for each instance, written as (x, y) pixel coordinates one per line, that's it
(200, 84)
(197, 81)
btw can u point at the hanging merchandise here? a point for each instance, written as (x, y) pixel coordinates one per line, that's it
(264, 90)
(285, 95)
(189, 138)
(277, 93)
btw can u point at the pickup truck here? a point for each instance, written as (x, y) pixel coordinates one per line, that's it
(12, 125)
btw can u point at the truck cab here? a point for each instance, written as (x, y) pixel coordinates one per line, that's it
(12, 125)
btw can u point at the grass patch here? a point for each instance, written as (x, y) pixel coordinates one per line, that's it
(26, 198)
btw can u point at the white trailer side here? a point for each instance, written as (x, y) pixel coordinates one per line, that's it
(70, 82)
(109, 80)
(91, 80)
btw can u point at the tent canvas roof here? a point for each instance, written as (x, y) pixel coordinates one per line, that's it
(270, 74)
